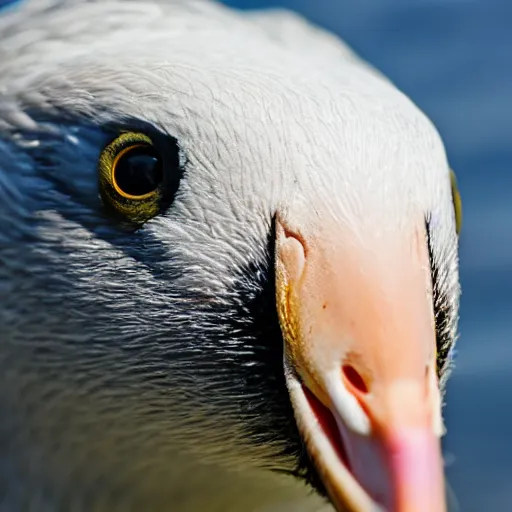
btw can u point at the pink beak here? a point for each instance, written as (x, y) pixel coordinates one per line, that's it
(360, 363)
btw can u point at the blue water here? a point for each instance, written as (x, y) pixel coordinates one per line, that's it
(454, 58)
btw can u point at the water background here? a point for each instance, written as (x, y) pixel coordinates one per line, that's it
(454, 59)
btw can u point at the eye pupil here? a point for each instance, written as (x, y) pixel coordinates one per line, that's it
(138, 171)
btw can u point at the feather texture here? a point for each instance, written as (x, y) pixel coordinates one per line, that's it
(140, 369)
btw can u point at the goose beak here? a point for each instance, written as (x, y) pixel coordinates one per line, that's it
(360, 356)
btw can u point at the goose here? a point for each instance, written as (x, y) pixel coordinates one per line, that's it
(228, 266)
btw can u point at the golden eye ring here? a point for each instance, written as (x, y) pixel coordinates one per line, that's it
(115, 164)
(131, 178)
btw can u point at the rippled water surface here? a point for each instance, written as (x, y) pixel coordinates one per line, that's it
(454, 58)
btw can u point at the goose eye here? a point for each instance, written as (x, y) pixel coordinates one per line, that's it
(457, 202)
(137, 181)
(137, 171)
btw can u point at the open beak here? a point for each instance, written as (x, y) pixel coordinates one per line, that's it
(360, 358)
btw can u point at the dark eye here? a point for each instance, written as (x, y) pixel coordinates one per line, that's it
(138, 171)
(136, 180)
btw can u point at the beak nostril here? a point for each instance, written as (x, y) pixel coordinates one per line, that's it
(354, 378)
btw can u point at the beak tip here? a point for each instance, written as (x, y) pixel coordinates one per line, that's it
(396, 466)
(416, 468)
